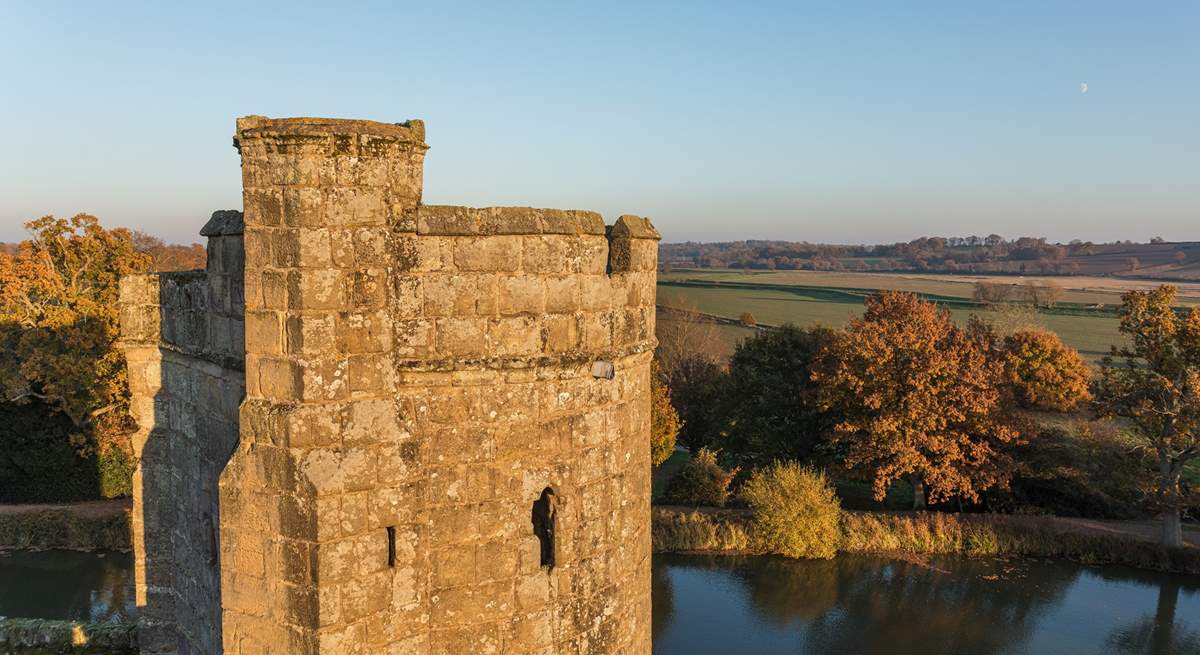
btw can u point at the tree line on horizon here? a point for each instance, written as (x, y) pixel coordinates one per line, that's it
(971, 254)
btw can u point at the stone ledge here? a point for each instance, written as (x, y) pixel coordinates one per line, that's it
(410, 130)
(449, 220)
(443, 364)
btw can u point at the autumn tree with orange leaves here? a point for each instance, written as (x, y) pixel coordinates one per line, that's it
(58, 320)
(166, 257)
(664, 420)
(1044, 372)
(1154, 383)
(917, 398)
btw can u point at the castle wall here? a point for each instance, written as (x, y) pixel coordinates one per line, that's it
(182, 337)
(503, 317)
(442, 443)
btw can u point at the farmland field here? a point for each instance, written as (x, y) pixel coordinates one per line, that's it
(1076, 289)
(779, 302)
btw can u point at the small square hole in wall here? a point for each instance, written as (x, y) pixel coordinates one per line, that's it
(603, 370)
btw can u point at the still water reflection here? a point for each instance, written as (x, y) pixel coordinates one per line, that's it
(856, 604)
(65, 584)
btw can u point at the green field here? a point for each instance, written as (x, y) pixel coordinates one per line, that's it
(1081, 290)
(775, 304)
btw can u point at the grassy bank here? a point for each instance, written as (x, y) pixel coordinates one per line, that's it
(676, 529)
(42, 527)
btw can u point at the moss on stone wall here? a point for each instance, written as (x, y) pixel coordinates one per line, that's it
(45, 637)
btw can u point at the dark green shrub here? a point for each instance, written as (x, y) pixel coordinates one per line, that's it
(1088, 470)
(701, 482)
(116, 467)
(768, 405)
(38, 462)
(696, 392)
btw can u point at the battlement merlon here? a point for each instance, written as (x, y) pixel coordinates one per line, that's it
(307, 130)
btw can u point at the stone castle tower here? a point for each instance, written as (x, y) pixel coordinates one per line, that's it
(375, 426)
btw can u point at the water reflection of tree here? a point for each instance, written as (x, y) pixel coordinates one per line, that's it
(69, 585)
(867, 605)
(662, 596)
(1160, 634)
(949, 609)
(787, 590)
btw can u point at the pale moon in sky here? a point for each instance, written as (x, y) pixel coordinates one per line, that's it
(1083, 87)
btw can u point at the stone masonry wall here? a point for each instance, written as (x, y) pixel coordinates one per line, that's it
(317, 195)
(502, 316)
(183, 339)
(416, 378)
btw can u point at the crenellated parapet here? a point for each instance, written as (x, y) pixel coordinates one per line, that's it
(511, 286)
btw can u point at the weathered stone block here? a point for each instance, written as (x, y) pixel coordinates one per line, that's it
(367, 373)
(413, 337)
(463, 337)
(495, 253)
(264, 333)
(316, 289)
(447, 221)
(314, 248)
(595, 292)
(303, 207)
(548, 254)
(310, 334)
(363, 332)
(519, 335)
(355, 206)
(324, 378)
(454, 566)
(522, 294)
(274, 289)
(279, 379)
(592, 257)
(561, 333)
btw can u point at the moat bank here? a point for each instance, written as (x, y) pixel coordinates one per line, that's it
(923, 534)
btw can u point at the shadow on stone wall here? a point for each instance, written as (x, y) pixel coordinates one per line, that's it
(195, 432)
(183, 340)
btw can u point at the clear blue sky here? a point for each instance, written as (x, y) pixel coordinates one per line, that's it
(830, 122)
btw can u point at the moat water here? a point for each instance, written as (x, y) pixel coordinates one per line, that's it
(66, 584)
(772, 605)
(866, 605)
